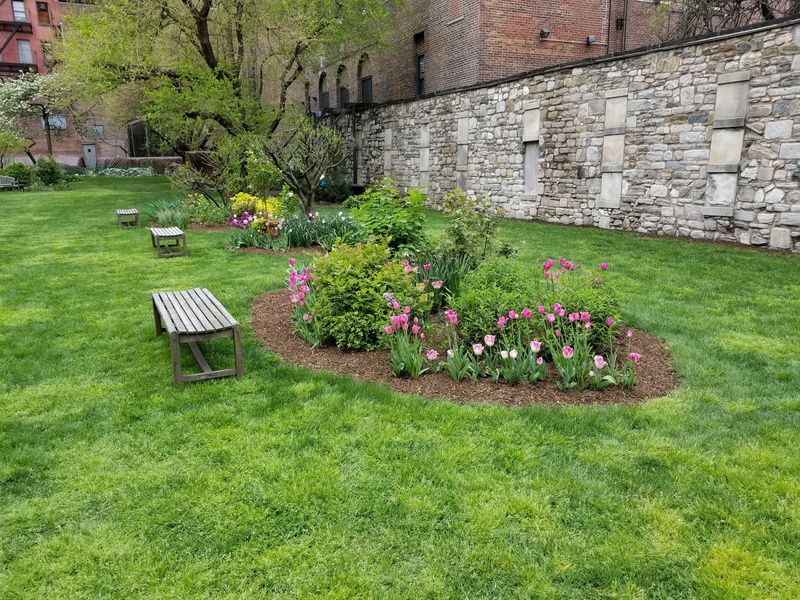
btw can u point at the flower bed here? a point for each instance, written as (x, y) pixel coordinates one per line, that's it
(272, 323)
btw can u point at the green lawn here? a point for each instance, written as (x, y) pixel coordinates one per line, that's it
(291, 483)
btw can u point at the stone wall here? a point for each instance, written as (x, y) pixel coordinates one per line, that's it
(699, 140)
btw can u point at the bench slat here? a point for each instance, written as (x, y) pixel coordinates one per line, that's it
(194, 311)
(189, 326)
(219, 306)
(166, 318)
(218, 322)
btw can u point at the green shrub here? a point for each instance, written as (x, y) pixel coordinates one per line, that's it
(446, 266)
(472, 224)
(263, 178)
(493, 289)
(48, 172)
(250, 238)
(171, 213)
(355, 286)
(384, 215)
(199, 210)
(21, 173)
(586, 292)
(337, 189)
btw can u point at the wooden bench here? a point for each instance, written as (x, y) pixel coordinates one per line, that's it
(169, 241)
(192, 316)
(9, 183)
(128, 217)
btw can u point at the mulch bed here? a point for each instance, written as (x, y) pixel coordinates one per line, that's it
(272, 323)
(288, 251)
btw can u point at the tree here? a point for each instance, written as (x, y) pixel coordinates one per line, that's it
(698, 17)
(203, 70)
(305, 154)
(10, 142)
(27, 101)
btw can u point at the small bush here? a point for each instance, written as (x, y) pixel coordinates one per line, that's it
(200, 210)
(384, 215)
(337, 188)
(356, 289)
(171, 213)
(472, 227)
(250, 238)
(124, 172)
(263, 177)
(21, 173)
(48, 172)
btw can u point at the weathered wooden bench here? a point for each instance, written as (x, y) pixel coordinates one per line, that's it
(169, 241)
(192, 316)
(127, 217)
(9, 183)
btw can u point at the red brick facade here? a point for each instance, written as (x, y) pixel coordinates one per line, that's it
(467, 42)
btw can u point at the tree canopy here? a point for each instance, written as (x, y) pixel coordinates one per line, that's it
(196, 70)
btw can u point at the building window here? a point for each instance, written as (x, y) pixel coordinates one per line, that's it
(19, 11)
(366, 90)
(365, 79)
(420, 75)
(324, 93)
(531, 167)
(25, 52)
(56, 122)
(342, 80)
(43, 13)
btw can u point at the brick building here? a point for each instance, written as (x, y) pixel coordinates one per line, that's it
(26, 29)
(440, 45)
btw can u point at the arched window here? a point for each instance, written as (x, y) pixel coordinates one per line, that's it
(343, 86)
(365, 79)
(324, 93)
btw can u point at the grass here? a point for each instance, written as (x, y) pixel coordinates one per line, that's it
(292, 483)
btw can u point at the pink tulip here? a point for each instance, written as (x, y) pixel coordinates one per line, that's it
(635, 357)
(489, 340)
(407, 309)
(585, 316)
(431, 354)
(292, 262)
(452, 316)
(539, 360)
(388, 330)
(512, 315)
(426, 267)
(501, 322)
(422, 336)
(550, 317)
(477, 349)
(609, 321)
(536, 345)
(415, 329)
(556, 307)
(558, 333)
(541, 309)
(437, 285)
(307, 317)
(588, 325)
(604, 266)
(567, 351)
(572, 317)
(599, 361)
(629, 334)
(526, 313)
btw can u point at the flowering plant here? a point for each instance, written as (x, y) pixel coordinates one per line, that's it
(405, 338)
(304, 301)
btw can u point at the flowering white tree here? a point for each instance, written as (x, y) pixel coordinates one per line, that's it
(23, 101)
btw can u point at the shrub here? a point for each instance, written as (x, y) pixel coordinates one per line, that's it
(492, 290)
(22, 173)
(357, 288)
(384, 215)
(48, 172)
(124, 172)
(200, 210)
(250, 238)
(472, 227)
(263, 177)
(336, 189)
(171, 213)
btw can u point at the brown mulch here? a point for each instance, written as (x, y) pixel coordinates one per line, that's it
(272, 323)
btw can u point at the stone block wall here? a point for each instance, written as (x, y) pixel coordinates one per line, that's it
(699, 140)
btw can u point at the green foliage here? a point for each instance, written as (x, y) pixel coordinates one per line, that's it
(351, 282)
(493, 289)
(338, 187)
(22, 173)
(263, 177)
(250, 238)
(10, 142)
(385, 215)
(200, 210)
(167, 212)
(48, 172)
(584, 291)
(472, 224)
(446, 266)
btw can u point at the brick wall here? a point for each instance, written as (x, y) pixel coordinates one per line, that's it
(700, 139)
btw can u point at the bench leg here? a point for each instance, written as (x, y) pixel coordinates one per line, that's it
(157, 317)
(185, 246)
(237, 351)
(175, 350)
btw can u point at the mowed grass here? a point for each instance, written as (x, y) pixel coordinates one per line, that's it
(292, 483)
